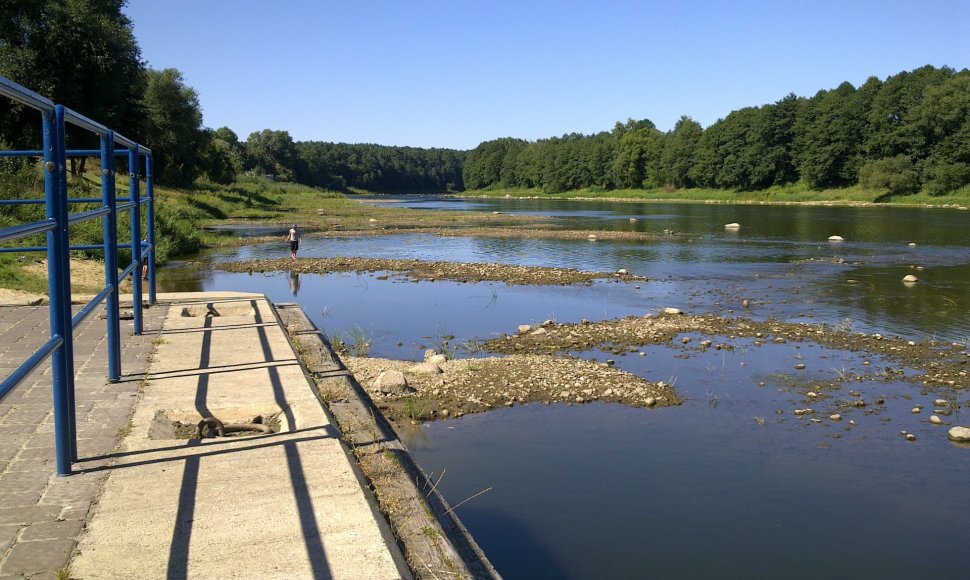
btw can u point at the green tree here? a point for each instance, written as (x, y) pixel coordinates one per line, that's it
(894, 174)
(829, 134)
(272, 153)
(679, 152)
(79, 53)
(174, 130)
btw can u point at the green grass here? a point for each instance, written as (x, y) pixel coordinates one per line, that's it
(796, 193)
(12, 275)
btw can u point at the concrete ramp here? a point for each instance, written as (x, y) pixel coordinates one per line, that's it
(285, 504)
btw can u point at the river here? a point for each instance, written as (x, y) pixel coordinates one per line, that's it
(729, 484)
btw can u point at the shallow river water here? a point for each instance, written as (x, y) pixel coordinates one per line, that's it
(731, 483)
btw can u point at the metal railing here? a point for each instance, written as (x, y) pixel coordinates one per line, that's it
(56, 225)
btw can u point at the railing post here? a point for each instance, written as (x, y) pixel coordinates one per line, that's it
(135, 238)
(110, 228)
(150, 224)
(58, 281)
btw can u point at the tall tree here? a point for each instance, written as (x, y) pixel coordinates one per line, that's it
(79, 53)
(174, 127)
(272, 153)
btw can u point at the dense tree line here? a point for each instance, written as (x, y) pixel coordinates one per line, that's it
(908, 132)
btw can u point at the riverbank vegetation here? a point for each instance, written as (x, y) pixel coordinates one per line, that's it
(797, 193)
(905, 135)
(905, 139)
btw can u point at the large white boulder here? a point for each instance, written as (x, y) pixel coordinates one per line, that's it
(392, 383)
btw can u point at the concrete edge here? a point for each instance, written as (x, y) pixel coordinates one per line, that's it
(458, 540)
(385, 529)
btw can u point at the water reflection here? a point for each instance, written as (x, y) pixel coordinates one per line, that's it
(724, 486)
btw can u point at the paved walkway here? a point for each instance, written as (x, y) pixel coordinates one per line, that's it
(41, 515)
(283, 505)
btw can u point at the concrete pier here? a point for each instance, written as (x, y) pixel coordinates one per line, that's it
(151, 500)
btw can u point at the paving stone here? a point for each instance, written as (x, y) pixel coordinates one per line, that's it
(20, 498)
(42, 439)
(12, 482)
(36, 453)
(19, 464)
(52, 531)
(69, 494)
(8, 533)
(29, 515)
(37, 557)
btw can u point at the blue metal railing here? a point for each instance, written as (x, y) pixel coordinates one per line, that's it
(58, 219)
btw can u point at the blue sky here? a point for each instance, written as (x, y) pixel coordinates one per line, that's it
(454, 73)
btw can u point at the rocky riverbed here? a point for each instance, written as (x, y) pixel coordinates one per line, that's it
(438, 388)
(539, 365)
(420, 270)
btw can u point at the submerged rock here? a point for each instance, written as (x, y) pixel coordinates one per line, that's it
(959, 434)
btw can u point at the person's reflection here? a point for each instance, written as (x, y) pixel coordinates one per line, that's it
(294, 282)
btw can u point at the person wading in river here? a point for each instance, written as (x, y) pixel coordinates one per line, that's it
(293, 237)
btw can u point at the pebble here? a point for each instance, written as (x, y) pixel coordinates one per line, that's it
(960, 434)
(935, 420)
(836, 239)
(910, 279)
(835, 417)
(650, 401)
(811, 394)
(622, 272)
(916, 410)
(940, 403)
(800, 366)
(910, 437)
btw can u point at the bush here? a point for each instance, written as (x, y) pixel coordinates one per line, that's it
(895, 174)
(944, 178)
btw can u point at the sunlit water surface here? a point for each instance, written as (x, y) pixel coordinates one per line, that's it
(730, 484)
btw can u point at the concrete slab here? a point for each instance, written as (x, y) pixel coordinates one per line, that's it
(281, 505)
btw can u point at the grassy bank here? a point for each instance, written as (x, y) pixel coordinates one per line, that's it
(797, 193)
(183, 214)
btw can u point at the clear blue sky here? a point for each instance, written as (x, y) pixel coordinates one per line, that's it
(454, 73)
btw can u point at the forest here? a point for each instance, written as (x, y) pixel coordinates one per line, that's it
(904, 134)
(908, 133)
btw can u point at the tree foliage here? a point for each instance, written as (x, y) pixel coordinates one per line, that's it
(905, 133)
(908, 132)
(174, 127)
(79, 53)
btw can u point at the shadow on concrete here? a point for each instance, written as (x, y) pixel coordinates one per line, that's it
(304, 503)
(178, 558)
(330, 431)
